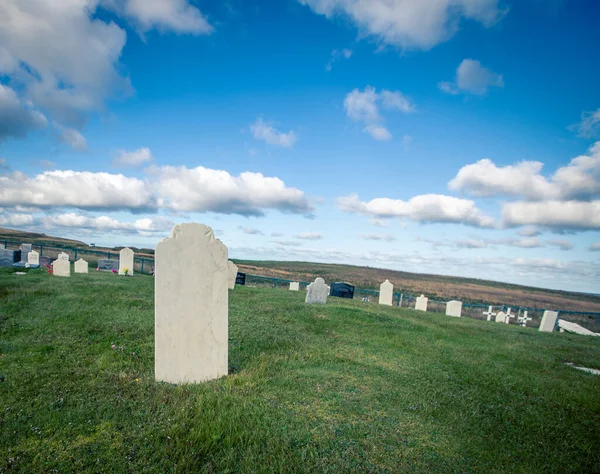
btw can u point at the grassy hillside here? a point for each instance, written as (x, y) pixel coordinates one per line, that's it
(346, 387)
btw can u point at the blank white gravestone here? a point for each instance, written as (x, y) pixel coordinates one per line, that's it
(63, 256)
(421, 303)
(232, 270)
(126, 257)
(501, 317)
(316, 292)
(191, 306)
(294, 286)
(454, 308)
(33, 259)
(386, 293)
(61, 268)
(80, 266)
(548, 321)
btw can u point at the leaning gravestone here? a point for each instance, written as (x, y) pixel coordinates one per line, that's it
(501, 317)
(548, 321)
(33, 259)
(63, 256)
(108, 265)
(386, 293)
(80, 266)
(191, 306)
(294, 286)
(61, 268)
(231, 274)
(7, 257)
(316, 292)
(454, 308)
(421, 303)
(126, 257)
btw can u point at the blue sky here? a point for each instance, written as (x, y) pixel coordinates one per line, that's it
(451, 137)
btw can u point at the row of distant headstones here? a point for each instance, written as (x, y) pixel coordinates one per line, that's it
(318, 291)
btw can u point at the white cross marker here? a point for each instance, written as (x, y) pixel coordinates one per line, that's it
(489, 313)
(508, 316)
(523, 319)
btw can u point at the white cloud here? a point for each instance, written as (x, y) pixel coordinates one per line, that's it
(589, 127)
(167, 15)
(250, 231)
(134, 158)
(378, 132)
(561, 244)
(309, 236)
(424, 208)
(529, 231)
(144, 226)
(266, 132)
(580, 179)
(81, 189)
(382, 237)
(207, 190)
(472, 78)
(409, 24)
(17, 118)
(595, 247)
(16, 220)
(555, 215)
(72, 137)
(363, 107)
(337, 55)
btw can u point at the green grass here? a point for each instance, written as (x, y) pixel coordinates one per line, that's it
(346, 387)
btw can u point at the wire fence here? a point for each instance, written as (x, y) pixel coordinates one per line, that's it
(588, 320)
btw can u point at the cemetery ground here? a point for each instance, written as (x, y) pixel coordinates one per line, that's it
(342, 387)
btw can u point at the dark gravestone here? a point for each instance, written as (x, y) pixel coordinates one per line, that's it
(45, 261)
(7, 257)
(342, 290)
(108, 265)
(240, 279)
(17, 256)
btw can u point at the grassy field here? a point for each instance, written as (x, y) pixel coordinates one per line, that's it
(346, 387)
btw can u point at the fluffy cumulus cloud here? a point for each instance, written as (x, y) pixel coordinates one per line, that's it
(409, 24)
(17, 117)
(144, 226)
(81, 189)
(16, 220)
(134, 158)
(580, 179)
(269, 134)
(472, 78)
(554, 215)
(589, 127)
(363, 106)
(207, 190)
(433, 208)
(65, 58)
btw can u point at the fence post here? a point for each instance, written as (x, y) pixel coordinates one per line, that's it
(274, 283)
(142, 270)
(41, 250)
(6, 244)
(401, 297)
(75, 257)
(108, 253)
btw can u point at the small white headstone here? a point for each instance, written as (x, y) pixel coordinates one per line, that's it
(386, 293)
(61, 268)
(63, 256)
(501, 317)
(81, 266)
(191, 306)
(294, 286)
(317, 292)
(126, 256)
(33, 259)
(232, 270)
(454, 308)
(489, 313)
(548, 321)
(421, 303)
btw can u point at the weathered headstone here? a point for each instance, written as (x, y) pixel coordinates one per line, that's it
(548, 321)
(489, 313)
(80, 266)
(575, 328)
(61, 268)
(45, 260)
(232, 274)
(7, 257)
(126, 256)
(501, 317)
(294, 286)
(454, 308)
(421, 303)
(63, 256)
(316, 292)
(191, 306)
(342, 290)
(240, 279)
(386, 293)
(33, 259)
(25, 249)
(108, 265)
